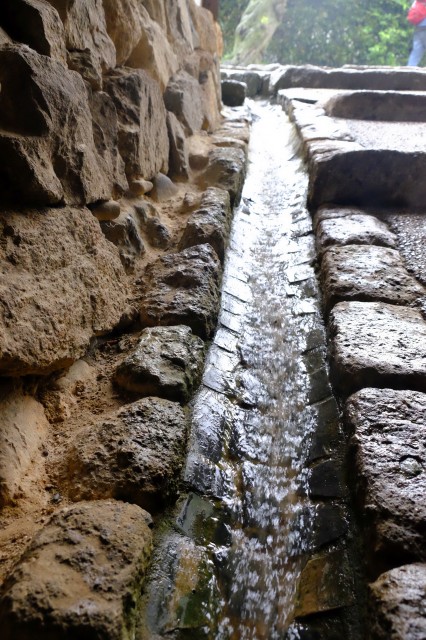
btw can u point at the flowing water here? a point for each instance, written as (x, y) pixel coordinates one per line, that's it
(248, 514)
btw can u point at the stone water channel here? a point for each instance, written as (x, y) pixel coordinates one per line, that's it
(259, 544)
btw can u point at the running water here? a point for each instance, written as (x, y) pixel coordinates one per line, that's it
(255, 412)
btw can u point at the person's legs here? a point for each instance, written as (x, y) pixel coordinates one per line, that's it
(418, 49)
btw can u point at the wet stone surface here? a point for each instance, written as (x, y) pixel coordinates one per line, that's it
(389, 457)
(365, 273)
(353, 229)
(410, 230)
(377, 344)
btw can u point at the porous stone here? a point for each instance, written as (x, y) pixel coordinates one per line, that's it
(183, 98)
(48, 256)
(81, 576)
(377, 344)
(123, 233)
(47, 145)
(354, 229)
(178, 159)
(37, 24)
(157, 233)
(23, 429)
(143, 138)
(167, 363)
(134, 455)
(389, 449)
(59, 396)
(211, 223)
(397, 604)
(233, 92)
(366, 272)
(226, 169)
(183, 288)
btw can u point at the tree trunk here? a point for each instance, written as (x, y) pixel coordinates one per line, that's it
(255, 30)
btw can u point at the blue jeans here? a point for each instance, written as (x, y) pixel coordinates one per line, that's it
(418, 49)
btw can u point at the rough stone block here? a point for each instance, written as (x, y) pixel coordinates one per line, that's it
(353, 229)
(183, 98)
(377, 344)
(167, 363)
(178, 160)
(81, 576)
(143, 140)
(398, 606)
(211, 223)
(124, 23)
(390, 453)
(123, 233)
(61, 284)
(233, 92)
(226, 169)
(134, 455)
(183, 288)
(366, 273)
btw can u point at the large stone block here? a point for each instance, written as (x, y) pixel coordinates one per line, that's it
(353, 228)
(143, 138)
(398, 605)
(61, 284)
(226, 169)
(377, 344)
(23, 429)
(390, 453)
(183, 97)
(81, 576)
(183, 288)
(134, 455)
(47, 149)
(124, 22)
(37, 24)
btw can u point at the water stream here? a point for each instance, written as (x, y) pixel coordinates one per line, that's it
(249, 514)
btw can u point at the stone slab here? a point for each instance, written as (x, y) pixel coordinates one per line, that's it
(368, 273)
(390, 453)
(357, 228)
(398, 604)
(81, 576)
(377, 344)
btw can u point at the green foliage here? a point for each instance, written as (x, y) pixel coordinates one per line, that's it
(333, 32)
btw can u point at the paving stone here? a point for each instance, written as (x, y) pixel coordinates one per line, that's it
(366, 272)
(330, 213)
(183, 288)
(398, 604)
(135, 454)
(353, 229)
(81, 576)
(390, 458)
(377, 344)
(167, 363)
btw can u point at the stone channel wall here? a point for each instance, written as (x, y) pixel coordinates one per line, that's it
(118, 174)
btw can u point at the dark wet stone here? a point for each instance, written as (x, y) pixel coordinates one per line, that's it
(327, 436)
(366, 273)
(326, 480)
(219, 372)
(398, 604)
(233, 92)
(167, 363)
(377, 344)
(390, 454)
(210, 423)
(81, 576)
(353, 229)
(199, 520)
(135, 454)
(157, 233)
(252, 79)
(326, 583)
(183, 288)
(210, 224)
(330, 524)
(319, 385)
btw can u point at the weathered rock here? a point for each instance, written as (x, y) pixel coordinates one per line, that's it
(81, 576)
(4, 37)
(37, 24)
(183, 98)
(326, 480)
(210, 224)
(157, 12)
(390, 453)
(353, 229)
(109, 210)
(153, 52)
(86, 30)
(226, 169)
(233, 92)
(143, 138)
(163, 188)
(139, 187)
(366, 272)
(398, 609)
(23, 430)
(46, 256)
(198, 152)
(180, 29)
(183, 288)
(60, 395)
(86, 65)
(123, 232)
(124, 23)
(47, 144)
(377, 344)
(178, 159)
(134, 455)
(167, 363)
(209, 79)
(252, 79)
(157, 233)
(411, 233)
